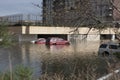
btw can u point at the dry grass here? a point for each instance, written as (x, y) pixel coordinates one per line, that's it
(75, 67)
(70, 66)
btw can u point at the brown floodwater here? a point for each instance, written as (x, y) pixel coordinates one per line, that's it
(29, 54)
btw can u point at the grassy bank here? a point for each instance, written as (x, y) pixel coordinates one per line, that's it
(75, 67)
(66, 66)
(19, 73)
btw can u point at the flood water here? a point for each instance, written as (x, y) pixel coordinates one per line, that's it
(29, 54)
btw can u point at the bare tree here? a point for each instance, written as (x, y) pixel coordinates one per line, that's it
(78, 13)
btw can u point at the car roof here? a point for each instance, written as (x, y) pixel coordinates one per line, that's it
(110, 43)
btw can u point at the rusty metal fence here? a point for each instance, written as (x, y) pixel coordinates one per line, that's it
(22, 19)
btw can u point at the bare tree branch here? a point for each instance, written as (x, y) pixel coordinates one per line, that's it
(37, 5)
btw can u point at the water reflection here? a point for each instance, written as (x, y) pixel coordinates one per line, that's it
(22, 54)
(30, 54)
(58, 48)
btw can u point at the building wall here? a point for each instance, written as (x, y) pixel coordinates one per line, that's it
(26, 37)
(58, 30)
(26, 33)
(104, 10)
(15, 29)
(63, 30)
(64, 12)
(80, 37)
(117, 12)
(47, 12)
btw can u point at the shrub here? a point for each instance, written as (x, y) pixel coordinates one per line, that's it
(117, 55)
(20, 73)
(73, 67)
(23, 73)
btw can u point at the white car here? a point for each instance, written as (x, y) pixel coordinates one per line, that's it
(39, 41)
(107, 49)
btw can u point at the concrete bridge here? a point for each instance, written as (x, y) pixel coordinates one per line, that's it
(27, 33)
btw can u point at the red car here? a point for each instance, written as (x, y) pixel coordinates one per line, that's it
(58, 41)
(40, 41)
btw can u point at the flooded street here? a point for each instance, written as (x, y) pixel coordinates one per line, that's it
(29, 54)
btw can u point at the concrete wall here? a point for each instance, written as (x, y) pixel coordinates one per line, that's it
(62, 30)
(116, 13)
(27, 33)
(84, 37)
(57, 30)
(15, 29)
(26, 37)
(93, 37)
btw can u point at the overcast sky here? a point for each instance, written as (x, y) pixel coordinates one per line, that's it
(10, 7)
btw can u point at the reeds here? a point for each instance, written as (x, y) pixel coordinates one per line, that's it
(71, 66)
(20, 73)
(74, 67)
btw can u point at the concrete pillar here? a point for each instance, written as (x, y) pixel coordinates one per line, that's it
(113, 37)
(68, 37)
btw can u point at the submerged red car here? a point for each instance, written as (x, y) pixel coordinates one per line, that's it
(57, 41)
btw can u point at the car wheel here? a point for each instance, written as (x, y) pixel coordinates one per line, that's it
(67, 43)
(54, 43)
(35, 42)
(105, 54)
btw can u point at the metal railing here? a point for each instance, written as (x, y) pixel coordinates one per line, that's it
(22, 19)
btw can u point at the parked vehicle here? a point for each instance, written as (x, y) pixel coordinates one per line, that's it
(39, 41)
(107, 49)
(57, 41)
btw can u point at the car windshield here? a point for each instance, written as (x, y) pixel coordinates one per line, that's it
(41, 39)
(113, 46)
(60, 39)
(103, 45)
(53, 39)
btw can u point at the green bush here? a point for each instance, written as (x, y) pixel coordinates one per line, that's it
(73, 67)
(20, 73)
(23, 73)
(117, 55)
(5, 35)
